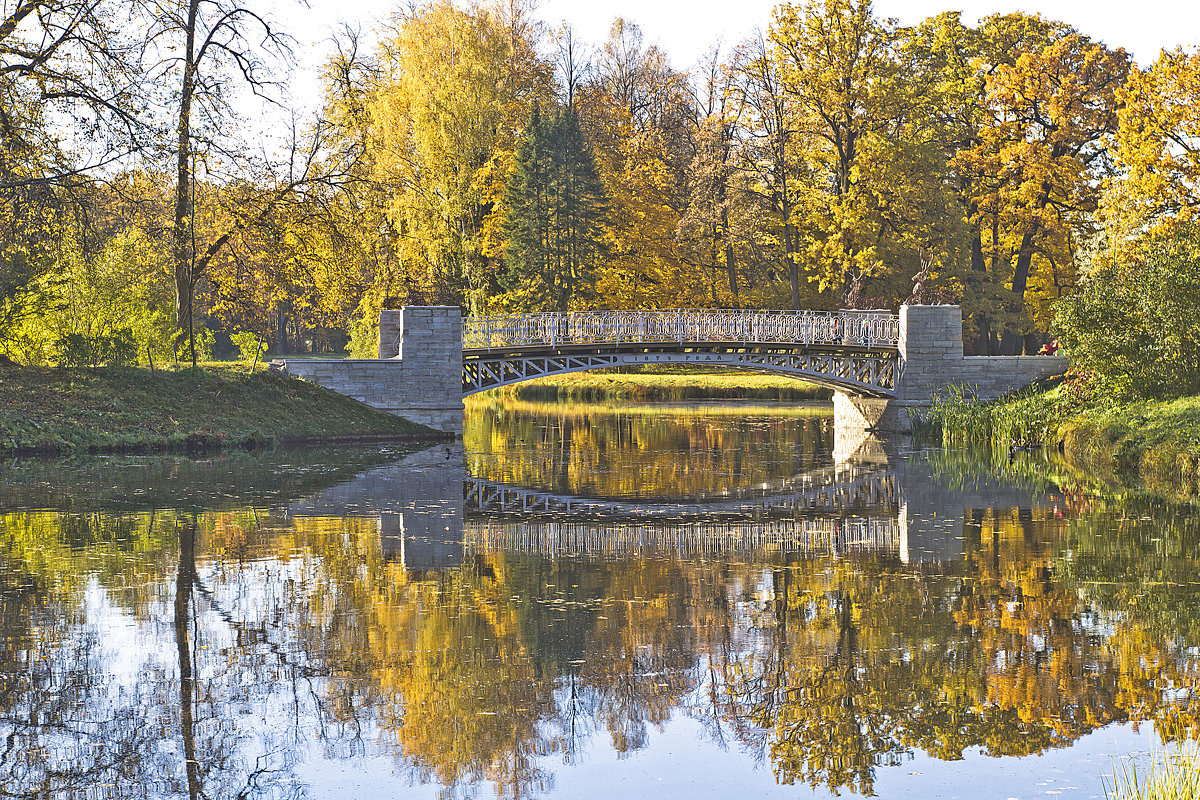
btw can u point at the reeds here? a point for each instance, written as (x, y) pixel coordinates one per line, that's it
(1171, 775)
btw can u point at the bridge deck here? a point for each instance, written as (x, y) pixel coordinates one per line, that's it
(601, 348)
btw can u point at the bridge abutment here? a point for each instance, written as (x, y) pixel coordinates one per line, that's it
(931, 360)
(418, 374)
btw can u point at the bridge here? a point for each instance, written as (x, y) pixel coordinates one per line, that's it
(880, 364)
(855, 351)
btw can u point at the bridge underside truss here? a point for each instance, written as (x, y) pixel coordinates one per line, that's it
(870, 493)
(863, 374)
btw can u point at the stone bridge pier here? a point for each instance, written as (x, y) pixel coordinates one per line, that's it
(930, 361)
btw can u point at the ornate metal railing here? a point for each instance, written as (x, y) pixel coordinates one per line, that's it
(867, 329)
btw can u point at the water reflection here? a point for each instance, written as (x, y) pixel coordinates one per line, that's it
(627, 451)
(393, 610)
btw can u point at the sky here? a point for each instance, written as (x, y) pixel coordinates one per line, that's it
(686, 29)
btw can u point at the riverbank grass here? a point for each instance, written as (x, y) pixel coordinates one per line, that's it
(1175, 775)
(122, 410)
(1154, 443)
(662, 385)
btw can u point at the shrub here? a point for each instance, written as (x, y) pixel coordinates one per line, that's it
(81, 350)
(247, 344)
(1135, 324)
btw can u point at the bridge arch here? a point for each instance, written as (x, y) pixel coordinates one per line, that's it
(873, 376)
(852, 351)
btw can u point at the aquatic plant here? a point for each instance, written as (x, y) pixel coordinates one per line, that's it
(1172, 775)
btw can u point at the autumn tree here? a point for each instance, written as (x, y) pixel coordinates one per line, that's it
(1051, 96)
(764, 177)
(1132, 323)
(216, 40)
(639, 115)
(75, 61)
(452, 96)
(867, 181)
(1158, 145)
(713, 230)
(945, 60)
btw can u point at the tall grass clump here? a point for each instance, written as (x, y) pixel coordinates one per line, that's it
(1175, 777)
(1030, 418)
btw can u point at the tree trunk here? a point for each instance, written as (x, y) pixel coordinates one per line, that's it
(985, 344)
(184, 580)
(182, 245)
(730, 261)
(1014, 339)
(281, 331)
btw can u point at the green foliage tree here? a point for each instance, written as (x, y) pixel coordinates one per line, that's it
(1135, 323)
(105, 307)
(74, 65)
(555, 207)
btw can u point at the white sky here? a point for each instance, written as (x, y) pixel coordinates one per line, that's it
(685, 29)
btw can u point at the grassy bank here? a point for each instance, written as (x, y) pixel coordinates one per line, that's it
(662, 385)
(122, 410)
(1152, 444)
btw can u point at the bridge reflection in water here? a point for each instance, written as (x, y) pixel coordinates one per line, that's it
(763, 539)
(431, 515)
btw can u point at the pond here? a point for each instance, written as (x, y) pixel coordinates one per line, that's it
(586, 602)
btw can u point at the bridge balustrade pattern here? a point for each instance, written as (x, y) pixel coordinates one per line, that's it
(856, 350)
(848, 329)
(836, 536)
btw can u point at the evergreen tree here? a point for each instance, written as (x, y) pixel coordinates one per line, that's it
(527, 220)
(554, 220)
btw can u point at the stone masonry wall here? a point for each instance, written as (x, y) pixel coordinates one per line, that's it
(431, 351)
(389, 333)
(422, 378)
(931, 361)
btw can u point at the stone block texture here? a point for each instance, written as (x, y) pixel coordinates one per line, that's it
(931, 362)
(389, 333)
(418, 374)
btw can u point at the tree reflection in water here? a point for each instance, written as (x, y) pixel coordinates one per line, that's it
(214, 653)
